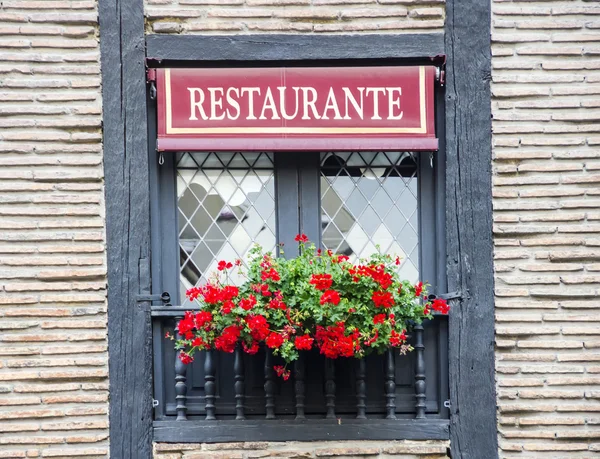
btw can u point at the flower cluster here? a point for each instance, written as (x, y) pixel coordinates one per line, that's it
(317, 300)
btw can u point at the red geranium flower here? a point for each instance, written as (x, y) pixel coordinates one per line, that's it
(228, 339)
(248, 303)
(203, 318)
(276, 303)
(282, 372)
(193, 293)
(186, 325)
(301, 238)
(379, 319)
(263, 289)
(392, 318)
(274, 340)
(321, 281)
(396, 339)
(224, 265)
(185, 358)
(440, 305)
(303, 343)
(330, 296)
(270, 274)
(340, 258)
(199, 342)
(383, 299)
(227, 307)
(259, 328)
(333, 341)
(372, 340)
(419, 289)
(250, 349)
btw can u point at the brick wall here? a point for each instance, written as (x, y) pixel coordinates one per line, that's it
(546, 105)
(294, 16)
(53, 371)
(297, 450)
(546, 108)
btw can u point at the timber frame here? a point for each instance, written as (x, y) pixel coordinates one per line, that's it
(468, 209)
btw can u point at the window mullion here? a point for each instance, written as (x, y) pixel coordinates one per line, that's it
(310, 195)
(287, 201)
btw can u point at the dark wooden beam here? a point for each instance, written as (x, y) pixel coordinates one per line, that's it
(473, 428)
(293, 47)
(309, 430)
(127, 226)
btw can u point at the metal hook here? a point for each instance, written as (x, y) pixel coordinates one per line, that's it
(431, 159)
(161, 159)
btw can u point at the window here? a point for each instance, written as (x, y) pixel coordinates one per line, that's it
(226, 204)
(350, 202)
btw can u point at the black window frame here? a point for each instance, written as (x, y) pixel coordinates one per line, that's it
(473, 430)
(298, 209)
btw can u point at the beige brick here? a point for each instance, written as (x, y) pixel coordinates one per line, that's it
(42, 387)
(27, 413)
(520, 382)
(19, 427)
(550, 421)
(555, 447)
(55, 452)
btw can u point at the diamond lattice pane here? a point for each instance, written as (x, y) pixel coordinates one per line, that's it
(226, 204)
(369, 200)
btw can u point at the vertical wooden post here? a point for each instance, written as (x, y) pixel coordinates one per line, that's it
(240, 386)
(209, 385)
(127, 197)
(420, 385)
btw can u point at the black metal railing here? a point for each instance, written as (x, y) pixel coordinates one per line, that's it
(210, 374)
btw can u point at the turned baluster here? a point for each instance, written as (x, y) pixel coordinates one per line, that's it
(420, 385)
(180, 385)
(209, 385)
(239, 386)
(361, 389)
(299, 386)
(330, 388)
(269, 385)
(390, 384)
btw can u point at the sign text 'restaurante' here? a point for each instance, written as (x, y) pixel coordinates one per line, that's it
(304, 102)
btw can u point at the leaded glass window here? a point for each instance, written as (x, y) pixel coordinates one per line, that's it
(225, 205)
(369, 200)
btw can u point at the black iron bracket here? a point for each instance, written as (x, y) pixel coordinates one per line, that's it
(165, 297)
(440, 63)
(151, 80)
(451, 296)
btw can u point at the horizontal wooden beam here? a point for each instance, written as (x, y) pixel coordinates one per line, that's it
(293, 47)
(309, 430)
